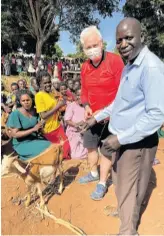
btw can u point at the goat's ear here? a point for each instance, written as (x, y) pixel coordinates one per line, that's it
(10, 158)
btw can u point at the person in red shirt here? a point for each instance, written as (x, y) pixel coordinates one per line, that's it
(49, 68)
(100, 79)
(60, 66)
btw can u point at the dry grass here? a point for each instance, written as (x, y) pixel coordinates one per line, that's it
(8, 80)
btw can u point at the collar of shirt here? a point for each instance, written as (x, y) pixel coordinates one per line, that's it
(137, 61)
(141, 56)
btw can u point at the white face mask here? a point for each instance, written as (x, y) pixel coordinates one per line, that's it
(93, 53)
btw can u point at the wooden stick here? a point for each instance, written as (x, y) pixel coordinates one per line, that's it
(73, 228)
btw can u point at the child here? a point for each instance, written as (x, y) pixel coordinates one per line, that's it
(56, 84)
(56, 88)
(21, 84)
(34, 88)
(76, 85)
(11, 98)
(66, 92)
(75, 114)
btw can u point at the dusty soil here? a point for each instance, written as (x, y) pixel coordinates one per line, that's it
(75, 205)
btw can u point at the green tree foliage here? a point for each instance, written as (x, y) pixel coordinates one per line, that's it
(72, 55)
(105, 45)
(41, 19)
(58, 51)
(79, 52)
(151, 14)
(9, 35)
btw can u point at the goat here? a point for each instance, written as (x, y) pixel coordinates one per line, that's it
(38, 170)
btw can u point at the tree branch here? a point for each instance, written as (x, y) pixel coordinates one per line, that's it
(52, 29)
(29, 16)
(48, 20)
(37, 5)
(34, 18)
(60, 15)
(43, 10)
(29, 29)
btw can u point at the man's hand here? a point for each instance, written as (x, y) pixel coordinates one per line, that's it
(61, 103)
(88, 112)
(111, 143)
(86, 125)
(79, 124)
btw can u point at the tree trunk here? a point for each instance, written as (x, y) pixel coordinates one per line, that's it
(39, 45)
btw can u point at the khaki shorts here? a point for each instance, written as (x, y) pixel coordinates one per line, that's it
(94, 136)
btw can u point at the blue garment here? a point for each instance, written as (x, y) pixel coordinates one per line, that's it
(31, 145)
(32, 90)
(138, 109)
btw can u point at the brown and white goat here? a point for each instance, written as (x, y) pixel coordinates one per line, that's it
(41, 169)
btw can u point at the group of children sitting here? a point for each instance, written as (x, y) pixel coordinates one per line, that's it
(42, 113)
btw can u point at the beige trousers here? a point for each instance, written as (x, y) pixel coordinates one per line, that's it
(132, 166)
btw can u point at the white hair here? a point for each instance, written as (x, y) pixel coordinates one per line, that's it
(89, 30)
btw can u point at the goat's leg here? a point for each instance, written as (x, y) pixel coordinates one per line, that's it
(61, 186)
(28, 197)
(42, 204)
(29, 182)
(53, 177)
(38, 185)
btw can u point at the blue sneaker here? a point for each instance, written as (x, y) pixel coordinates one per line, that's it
(88, 178)
(99, 193)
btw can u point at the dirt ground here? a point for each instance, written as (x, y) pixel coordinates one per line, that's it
(75, 206)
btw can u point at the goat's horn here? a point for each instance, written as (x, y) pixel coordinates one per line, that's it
(19, 167)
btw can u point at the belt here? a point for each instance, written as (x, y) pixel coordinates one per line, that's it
(147, 142)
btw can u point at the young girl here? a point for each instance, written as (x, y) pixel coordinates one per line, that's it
(22, 85)
(48, 108)
(73, 115)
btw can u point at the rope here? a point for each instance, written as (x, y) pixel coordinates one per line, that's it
(102, 132)
(60, 221)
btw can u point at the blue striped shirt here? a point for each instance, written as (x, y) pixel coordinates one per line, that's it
(138, 109)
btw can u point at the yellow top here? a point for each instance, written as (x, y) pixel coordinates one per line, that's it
(13, 97)
(45, 102)
(9, 96)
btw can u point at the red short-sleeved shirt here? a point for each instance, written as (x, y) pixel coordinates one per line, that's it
(99, 84)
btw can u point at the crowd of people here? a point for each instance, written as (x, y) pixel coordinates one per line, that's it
(110, 112)
(57, 109)
(15, 64)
